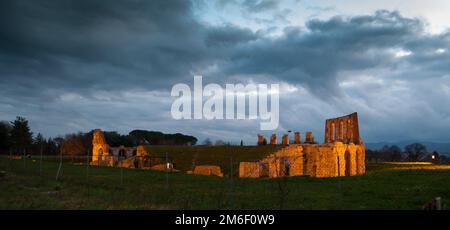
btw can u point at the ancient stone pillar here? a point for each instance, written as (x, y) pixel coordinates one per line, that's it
(260, 139)
(360, 159)
(350, 160)
(309, 138)
(296, 137)
(273, 139)
(285, 139)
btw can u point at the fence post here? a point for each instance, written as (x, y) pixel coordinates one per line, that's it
(121, 171)
(231, 171)
(40, 161)
(24, 159)
(10, 159)
(167, 171)
(60, 165)
(87, 173)
(339, 182)
(438, 201)
(231, 192)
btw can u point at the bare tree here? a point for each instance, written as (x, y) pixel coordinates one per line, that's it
(415, 151)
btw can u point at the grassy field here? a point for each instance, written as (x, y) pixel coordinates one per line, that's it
(385, 186)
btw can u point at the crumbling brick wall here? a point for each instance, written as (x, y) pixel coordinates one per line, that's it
(287, 161)
(315, 160)
(208, 170)
(141, 151)
(100, 149)
(250, 169)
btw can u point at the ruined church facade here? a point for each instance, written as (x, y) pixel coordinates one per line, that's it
(105, 155)
(341, 154)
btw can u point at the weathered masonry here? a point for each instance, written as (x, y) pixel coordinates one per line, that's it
(104, 155)
(341, 154)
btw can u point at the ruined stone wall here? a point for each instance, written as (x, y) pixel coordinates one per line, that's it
(315, 160)
(249, 169)
(344, 129)
(128, 151)
(99, 146)
(141, 151)
(294, 156)
(208, 170)
(127, 163)
(320, 160)
(288, 160)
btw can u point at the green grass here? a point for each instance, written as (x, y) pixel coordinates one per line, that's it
(384, 186)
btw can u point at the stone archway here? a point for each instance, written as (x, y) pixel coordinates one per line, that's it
(100, 154)
(122, 154)
(285, 166)
(348, 163)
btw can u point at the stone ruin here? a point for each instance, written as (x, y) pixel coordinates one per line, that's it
(341, 154)
(296, 137)
(260, 139)
(285, 139)
(208, 170)
(273, 139)
(104, 155)
(137, 157)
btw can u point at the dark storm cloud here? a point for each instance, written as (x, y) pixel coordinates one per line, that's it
(77, 41)
(229, 36)
(315, 56)
(154, 44)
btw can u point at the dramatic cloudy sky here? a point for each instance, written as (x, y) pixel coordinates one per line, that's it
(71, 66)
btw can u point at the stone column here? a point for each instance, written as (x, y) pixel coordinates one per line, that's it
(273, 139)
(260, 139)
(296, 137)
(309, 138)
(285, 139)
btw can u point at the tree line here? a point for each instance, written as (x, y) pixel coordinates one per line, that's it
(16, 137)
(411, 152)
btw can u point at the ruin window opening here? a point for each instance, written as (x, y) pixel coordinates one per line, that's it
(347, 163)
(122, 154)
(333, 132)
